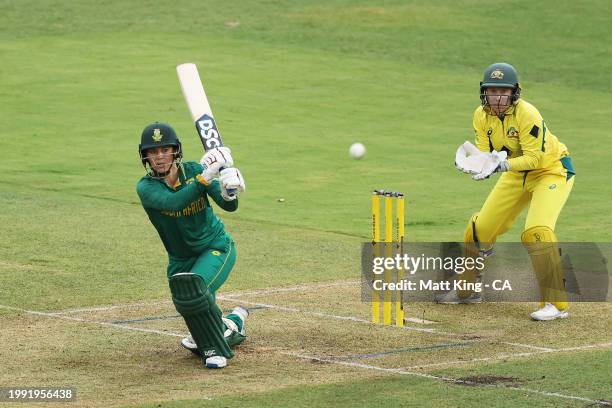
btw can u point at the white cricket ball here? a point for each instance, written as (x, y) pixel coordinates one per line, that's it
(357, 150)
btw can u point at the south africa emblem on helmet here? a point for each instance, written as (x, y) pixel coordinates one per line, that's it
(157, 135)
(497, 74)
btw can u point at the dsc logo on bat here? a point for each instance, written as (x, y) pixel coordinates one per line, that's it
(208, 132)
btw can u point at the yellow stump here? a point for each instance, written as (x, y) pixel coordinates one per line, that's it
(375, 249)
(391, 247)
(388, 276)
(399, 216)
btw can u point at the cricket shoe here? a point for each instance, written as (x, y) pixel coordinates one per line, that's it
(215, 362)
(191, 345)
(549, 312)
(452, 298)
(235, 335)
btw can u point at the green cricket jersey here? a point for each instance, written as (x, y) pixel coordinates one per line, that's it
(182, 215)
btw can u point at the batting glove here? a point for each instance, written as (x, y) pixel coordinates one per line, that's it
(214, 160)
(232, 183)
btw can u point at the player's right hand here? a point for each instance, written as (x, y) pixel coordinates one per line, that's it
(469, 159)
(214, 160)
(496, 162)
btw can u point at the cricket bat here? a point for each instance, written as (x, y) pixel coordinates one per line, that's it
(198, 105)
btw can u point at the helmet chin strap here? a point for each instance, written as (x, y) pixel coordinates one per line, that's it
(152, 173)
(160, 175)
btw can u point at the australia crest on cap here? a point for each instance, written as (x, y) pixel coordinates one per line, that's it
(497, 74)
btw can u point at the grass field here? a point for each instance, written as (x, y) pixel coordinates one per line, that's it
(83, 295)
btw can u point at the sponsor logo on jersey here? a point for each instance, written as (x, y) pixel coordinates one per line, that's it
(552, 186)
(216, 253)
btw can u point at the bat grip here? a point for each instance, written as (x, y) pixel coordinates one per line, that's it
(232, 191)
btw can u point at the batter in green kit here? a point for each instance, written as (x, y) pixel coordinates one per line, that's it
(176, 196)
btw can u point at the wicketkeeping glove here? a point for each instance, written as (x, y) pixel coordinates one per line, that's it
(496, 162)
(469, 159)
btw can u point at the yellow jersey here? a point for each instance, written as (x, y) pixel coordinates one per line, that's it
(522, 133)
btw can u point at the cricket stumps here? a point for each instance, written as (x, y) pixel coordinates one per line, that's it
(391, 245)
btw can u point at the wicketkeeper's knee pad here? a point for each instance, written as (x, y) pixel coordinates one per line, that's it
(539, 237)
(196, 304)
(469, 236)
(541, 244)
(473, 246)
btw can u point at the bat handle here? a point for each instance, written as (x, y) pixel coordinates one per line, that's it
(232, 191)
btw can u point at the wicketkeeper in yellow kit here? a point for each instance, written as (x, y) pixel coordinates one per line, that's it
(512, 138)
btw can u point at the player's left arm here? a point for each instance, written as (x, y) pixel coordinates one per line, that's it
(224, 189)
(532, 138)
(214, 191)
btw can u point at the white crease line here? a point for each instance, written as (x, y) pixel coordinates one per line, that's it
(367, 366)
(310, 287)
(228, 294)
(230, 297)
(332, 316)
(585, 347)
(443, 379)
(512, 355)
(112, 307)
(291, 288)
(417, 320)
(530, 346)
(78, 319)
(474, 360)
